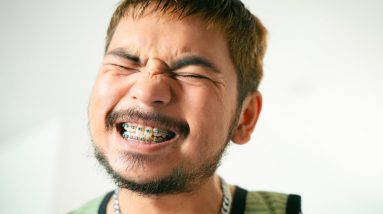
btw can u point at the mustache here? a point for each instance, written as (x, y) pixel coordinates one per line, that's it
(134, 114)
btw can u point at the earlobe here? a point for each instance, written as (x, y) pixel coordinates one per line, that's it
(251, 109)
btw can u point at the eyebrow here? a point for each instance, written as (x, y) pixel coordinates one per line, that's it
(194, 60)
(123, 53)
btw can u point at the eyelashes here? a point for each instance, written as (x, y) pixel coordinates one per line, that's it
(181, 75)
(195, 77)
(171, 74)
(122, 67)
(189, 75)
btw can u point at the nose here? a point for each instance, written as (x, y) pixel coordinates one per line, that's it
(151, 88)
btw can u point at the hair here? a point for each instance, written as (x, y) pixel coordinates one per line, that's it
(245, 34)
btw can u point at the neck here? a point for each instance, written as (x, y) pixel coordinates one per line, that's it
(207, 198)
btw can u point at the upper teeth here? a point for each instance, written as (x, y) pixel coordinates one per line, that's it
(141, 133)
(148, 131)
(139, 130)
(132, 128)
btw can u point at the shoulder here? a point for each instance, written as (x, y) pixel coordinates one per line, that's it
(261, 202)
(91, 207)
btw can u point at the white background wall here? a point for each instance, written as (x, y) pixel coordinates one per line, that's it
(319, 135)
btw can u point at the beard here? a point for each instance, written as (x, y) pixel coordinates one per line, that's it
(179, 180)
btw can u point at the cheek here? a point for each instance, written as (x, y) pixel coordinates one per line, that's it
(105, 95)
(209, 118)
(210, 107)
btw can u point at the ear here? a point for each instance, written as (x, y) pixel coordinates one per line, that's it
(250, 111)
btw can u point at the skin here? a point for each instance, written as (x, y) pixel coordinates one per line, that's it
(202, 96)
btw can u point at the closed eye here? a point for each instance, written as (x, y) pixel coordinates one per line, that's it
(124, 67)
(192, 76)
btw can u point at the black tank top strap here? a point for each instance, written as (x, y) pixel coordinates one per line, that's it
(239, 200)
(104, 203)
(293, 204)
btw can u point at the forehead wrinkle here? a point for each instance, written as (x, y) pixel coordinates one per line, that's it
(166, 53)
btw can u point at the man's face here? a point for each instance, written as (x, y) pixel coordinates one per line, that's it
(165, 98)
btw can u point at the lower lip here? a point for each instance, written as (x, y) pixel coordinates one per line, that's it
(139, 146)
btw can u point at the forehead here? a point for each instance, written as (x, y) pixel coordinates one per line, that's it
(160, 36)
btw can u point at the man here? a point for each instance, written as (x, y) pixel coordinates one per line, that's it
(178, 82)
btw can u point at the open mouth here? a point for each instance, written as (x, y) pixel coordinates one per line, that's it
(144, 134)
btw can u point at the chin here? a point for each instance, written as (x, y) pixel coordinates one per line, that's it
(140, 174)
